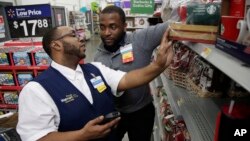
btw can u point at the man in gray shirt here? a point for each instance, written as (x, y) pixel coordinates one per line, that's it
(122, 51)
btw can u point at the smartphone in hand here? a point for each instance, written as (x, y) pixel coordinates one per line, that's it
(110, 116)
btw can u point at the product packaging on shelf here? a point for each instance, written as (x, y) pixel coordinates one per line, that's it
(21, 59)
(199, 22)
(10, 97)
(235, 49)
(237, 8)
(180, 65)
(234, 38)
(203, 13)
(193, 33)
(6, 79)
(4, 59)
(42, 59)
(204, 80)
(24, 78)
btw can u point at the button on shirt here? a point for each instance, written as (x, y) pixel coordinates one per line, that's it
(38, 114)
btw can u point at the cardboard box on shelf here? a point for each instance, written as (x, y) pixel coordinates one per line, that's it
(24, 78)
(4, 59)
(203, 13)
(237, 50)
(237, 8)
(193, 33)
(21, 59)
(42, 59)
(6, 79)
(10, 97)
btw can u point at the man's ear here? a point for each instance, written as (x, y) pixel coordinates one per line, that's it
(56, 45)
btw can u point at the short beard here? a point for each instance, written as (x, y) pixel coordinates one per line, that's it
(116, 45)
(70, 49)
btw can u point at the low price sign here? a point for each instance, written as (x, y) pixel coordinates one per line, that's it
(29, 21)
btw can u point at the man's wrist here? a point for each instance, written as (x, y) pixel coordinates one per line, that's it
(156, 66)
(81, 136)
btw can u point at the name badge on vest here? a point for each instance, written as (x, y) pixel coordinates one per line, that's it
(127, 53)
(98, 83)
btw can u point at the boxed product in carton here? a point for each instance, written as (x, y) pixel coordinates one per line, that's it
(237, 8)
(42, 59)
(10, 97)
(6, 79)
(21, 59)
(203, 13)
(24, 78)
(193, 33)
(237, 50)
(4, 59)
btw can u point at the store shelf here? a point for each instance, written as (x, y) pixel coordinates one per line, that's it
(140, 16)
(11, 88)
(8, 106)
(24, 68)
(198, 113)
(158, 131)
(134, 27)
(172, 96)
(231, 66)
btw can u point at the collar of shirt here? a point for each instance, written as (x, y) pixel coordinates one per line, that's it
(67, 72)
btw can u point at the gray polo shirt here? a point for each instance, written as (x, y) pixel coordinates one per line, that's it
(143, 42)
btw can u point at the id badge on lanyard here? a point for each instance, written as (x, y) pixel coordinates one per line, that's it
(98, 84)
(127, 53)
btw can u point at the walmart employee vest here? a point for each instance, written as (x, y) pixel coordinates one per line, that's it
(74, 108)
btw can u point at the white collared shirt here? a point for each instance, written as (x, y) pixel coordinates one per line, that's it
(38, 114)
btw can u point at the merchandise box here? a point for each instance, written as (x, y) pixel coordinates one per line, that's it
(237, 8)
(4, 59)
(21, 59)
(24, 78)
(237, 50)
(42, 59)
(193, 33)
(203, 13)
(141, 22)
(6, 79)
(225, 4)
(10, 97)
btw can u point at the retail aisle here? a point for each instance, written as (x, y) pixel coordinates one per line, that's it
(91, 47)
